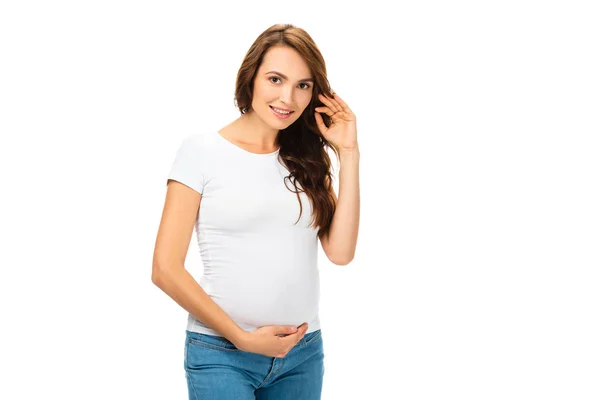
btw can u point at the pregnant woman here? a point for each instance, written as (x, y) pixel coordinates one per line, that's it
(259, 194)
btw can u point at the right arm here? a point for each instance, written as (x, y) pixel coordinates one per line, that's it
(168, 272)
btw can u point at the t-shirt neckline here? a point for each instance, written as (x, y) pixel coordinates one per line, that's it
(244, 150)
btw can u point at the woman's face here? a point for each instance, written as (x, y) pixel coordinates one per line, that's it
(282, 81)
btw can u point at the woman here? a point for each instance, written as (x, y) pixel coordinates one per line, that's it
(259, 193)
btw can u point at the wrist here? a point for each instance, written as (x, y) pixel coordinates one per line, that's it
(349, 156)
(239, 338)
(349, 151)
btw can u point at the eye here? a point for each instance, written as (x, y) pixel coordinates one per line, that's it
(275, 77)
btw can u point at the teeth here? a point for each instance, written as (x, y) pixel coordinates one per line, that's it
(281, 111)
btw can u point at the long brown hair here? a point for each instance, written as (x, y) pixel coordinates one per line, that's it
(302, 147)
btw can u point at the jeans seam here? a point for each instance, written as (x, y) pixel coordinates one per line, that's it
(191, 383)
(268, 375)
(187, 374)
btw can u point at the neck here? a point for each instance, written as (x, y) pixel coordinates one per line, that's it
(255, 131)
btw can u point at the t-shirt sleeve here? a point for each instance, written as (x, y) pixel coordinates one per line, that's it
(187, 168)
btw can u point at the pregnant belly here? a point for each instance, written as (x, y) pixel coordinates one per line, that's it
(288, 301)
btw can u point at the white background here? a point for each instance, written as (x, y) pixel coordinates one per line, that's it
(476, 274)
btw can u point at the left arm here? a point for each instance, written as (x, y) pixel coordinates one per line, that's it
(340, 242)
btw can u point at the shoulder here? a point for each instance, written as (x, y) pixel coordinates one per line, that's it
(199, 144)
(195, 150)
(193, 161)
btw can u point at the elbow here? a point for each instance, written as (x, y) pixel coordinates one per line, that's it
(345, 262)
(342, 261)
(157, 274)
(164, 270)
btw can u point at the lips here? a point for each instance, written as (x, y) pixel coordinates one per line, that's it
(284, 109)
(281, 116)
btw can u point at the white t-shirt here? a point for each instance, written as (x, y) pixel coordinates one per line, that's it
(259, 267)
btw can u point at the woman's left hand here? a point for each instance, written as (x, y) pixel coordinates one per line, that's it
(342, 132)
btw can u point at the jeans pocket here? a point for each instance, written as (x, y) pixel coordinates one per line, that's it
(311, 337)
(210, 342)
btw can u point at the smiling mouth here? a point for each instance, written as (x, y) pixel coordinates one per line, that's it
(290, 112)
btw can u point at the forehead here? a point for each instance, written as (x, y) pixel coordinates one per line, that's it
(287, 61)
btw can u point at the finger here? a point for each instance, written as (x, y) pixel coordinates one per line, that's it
(331, 103)
(301, 333)
(325, 110)
(320, 124)
(342, 103)
(295, 338)
(299, 329)
(289, 341)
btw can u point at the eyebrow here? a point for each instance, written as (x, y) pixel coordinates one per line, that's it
(285, 77)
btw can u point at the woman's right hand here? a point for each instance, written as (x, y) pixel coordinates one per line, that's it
(273, 340)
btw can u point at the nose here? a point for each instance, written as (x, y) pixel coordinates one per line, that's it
(286, 95)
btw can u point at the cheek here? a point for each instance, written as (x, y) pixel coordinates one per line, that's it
(261, 90)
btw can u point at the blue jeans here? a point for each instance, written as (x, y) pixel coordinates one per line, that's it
(215, 369)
